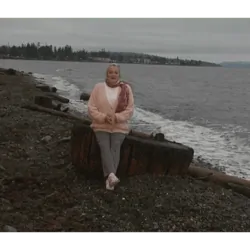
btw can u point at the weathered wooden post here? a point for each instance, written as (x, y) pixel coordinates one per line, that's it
(139, 155)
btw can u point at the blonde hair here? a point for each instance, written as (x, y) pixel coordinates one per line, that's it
(113, 65)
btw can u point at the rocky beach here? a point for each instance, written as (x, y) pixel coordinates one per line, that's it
(41, 191)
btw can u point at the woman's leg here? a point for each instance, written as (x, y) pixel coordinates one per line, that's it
(116, 142)
(103, 139)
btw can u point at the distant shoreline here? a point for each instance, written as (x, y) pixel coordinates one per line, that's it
(37, 51)
(92, 61)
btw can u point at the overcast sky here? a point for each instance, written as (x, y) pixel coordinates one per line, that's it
(214, 40)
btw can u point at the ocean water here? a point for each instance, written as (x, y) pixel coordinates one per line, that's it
(205, 108)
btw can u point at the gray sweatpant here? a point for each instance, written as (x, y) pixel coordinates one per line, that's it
(110, 146)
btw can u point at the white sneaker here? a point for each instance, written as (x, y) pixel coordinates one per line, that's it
(108, 187)
(113, 180)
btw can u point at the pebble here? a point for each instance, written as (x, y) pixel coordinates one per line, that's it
(156, 225)
(152, 204)
(9, 229)
(2, 168)
(47, 138)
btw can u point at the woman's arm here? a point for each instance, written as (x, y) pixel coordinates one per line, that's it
(128, 112)
(93, 111)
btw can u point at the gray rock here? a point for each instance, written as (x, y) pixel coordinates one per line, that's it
(156, 225)
(47, 138)
(2, 168)
(84, 96)
(9, 229)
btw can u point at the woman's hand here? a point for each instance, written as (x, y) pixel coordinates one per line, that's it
(109, 119)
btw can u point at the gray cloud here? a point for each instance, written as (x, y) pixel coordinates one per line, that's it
(205, 39)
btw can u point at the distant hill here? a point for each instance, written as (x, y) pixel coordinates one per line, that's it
(235, 64)
(37, 51)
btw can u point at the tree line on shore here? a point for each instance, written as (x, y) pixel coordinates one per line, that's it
(36, 51)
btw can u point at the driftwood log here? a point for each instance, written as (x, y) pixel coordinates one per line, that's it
(50, 99)
(10, 72)
(138, 155)
(46, 88)
(39, 108)
(56, 105)
(237, 184)
(35, 107)
(44, 101)
(49, 102)
(57, 97)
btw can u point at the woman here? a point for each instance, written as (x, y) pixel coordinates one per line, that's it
(110, 106)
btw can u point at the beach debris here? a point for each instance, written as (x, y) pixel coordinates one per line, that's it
(46, 139)
(84, 96)
(2, 168)
(9, 229)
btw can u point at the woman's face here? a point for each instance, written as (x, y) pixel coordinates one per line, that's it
(113, 74)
